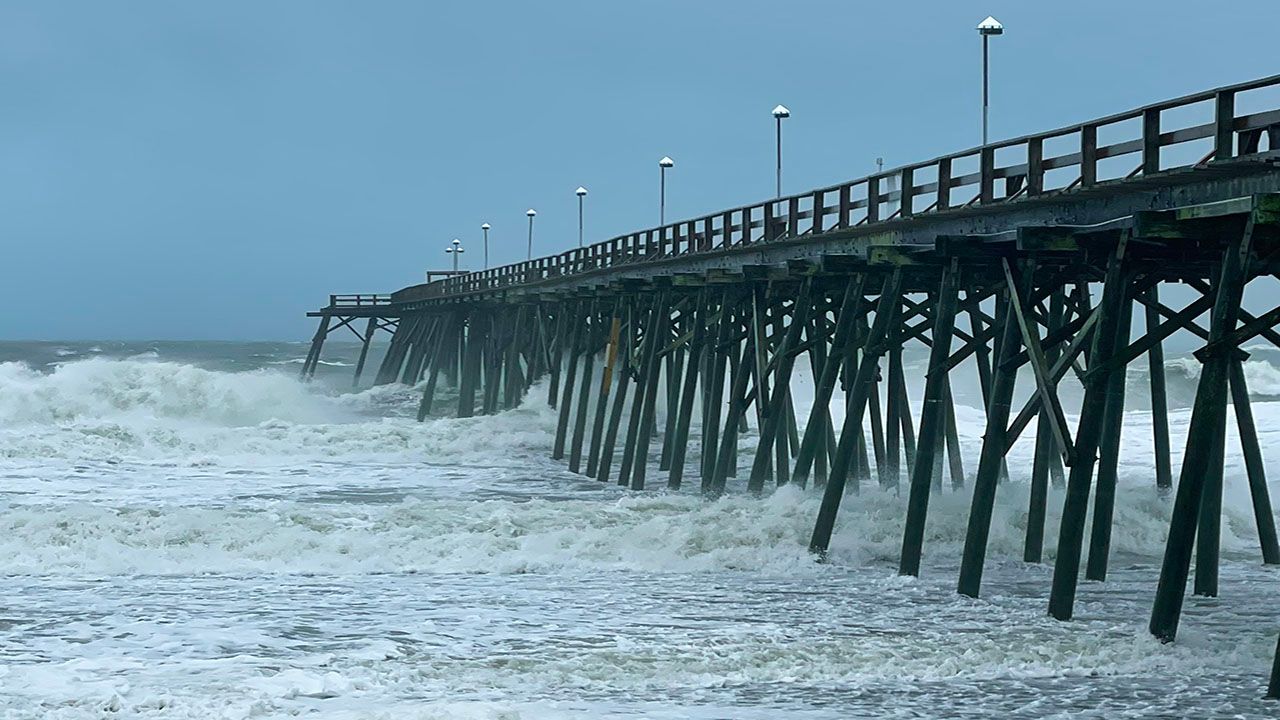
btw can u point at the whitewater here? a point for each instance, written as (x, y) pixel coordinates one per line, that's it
(188, 531)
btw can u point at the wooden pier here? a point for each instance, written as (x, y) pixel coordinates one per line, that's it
(1030, 254)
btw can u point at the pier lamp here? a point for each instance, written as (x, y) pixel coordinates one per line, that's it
(663, 164)
(779, 113)
(532, 214)
(581, 192)
(485, 229)
(986, 29)
(455, 250)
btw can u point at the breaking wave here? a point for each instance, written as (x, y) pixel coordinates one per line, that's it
(1262, 377)
(95, 411)
(654, 533)
(99, 409)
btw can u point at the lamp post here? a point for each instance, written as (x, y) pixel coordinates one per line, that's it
(663, 164)
(485, 229)
(986, 29)
(455, 250)
(581, 193)
(779, 113)
(531, 213)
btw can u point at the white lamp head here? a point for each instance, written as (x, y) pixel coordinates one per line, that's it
(781, 112)
(990, 26)
(456, 242)
(580, 191)
(666, 162)
(484, 226)
(531, 212)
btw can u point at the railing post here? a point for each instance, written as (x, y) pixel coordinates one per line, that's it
(726, 229)
(1224, 119)
(708, 225)
(905, 208)
(1150, 141)
(793, 216)
(944, 184)
(846, 207)
(768, 221)
(1035, 166)
(819, 197)
(873, 199)
(1088, 155)
(987, 188)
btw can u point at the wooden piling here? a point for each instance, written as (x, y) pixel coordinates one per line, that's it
(775, 404)
(570, 351)
(826, 377)
(1208, 420)
(1097, 384)
(718, 355)
(1159, 397)
(606, 381)
(659, 320)
(369, 330)
(584, 393)
(623, 380)
(887, 309)
(1273, 687)
(1264, 520)
(673, 364)
(689, 392)
(1104, 498)
(932, 421)
(472, 343)
(726, 459)
(893, 425)
(991, 457)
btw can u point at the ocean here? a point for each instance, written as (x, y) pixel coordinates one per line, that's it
(188, 531)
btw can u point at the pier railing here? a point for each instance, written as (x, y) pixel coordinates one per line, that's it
(1125, 146)
(358, 300)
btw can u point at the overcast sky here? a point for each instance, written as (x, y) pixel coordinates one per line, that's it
(178, 170)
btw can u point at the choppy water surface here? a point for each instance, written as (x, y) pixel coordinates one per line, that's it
(188, 532)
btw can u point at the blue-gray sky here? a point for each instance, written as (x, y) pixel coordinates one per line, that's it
(212, 170)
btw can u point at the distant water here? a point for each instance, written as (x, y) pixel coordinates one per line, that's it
(187, 531)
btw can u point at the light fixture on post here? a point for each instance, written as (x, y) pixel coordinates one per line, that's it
(663, 164)
(485, 229)
(531, 213)
(986, 29)
(581, 192)
(779, 113)
(455, 250)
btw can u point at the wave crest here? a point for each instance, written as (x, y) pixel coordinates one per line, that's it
(102, 389)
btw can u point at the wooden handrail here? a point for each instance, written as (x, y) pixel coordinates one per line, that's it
(359, 300)
(917, 189)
